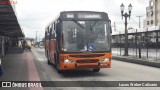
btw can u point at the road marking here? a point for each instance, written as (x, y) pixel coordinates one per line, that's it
(40, 59)
(33, 74)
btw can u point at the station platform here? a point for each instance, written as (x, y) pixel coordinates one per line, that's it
(18, 65)
(14, 65)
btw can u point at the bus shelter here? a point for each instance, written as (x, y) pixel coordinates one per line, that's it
(9, 26)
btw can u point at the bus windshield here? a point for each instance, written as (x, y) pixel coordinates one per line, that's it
(83, 36)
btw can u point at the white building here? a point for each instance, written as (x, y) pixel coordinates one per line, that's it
(152, 21)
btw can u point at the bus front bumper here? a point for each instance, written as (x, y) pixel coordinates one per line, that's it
(74, 66)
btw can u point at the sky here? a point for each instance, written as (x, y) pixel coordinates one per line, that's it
(34, 15)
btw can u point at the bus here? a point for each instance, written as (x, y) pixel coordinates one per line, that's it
(79, 40)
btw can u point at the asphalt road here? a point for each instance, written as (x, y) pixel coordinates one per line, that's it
(120, 71)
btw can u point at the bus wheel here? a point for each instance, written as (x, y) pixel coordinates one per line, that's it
(49, 63)
(96, 70)
(54, 65)
(60, 71)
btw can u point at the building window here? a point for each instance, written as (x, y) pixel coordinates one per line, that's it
(151, 13)
(151, 3)
(147, 22)
(151, 21)
(148, 14)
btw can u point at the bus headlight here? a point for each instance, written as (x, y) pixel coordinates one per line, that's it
(105, 60)
(68, 61)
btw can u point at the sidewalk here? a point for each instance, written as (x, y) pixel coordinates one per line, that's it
(14, 65)
(19, 65)
(152, 60)
(141, 61)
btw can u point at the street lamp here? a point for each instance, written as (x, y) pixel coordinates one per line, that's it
(125, 15)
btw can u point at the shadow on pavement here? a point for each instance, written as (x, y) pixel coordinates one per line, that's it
(15, 50)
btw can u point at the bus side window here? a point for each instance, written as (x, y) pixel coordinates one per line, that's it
(54, 25)
(55, 28)
(53, 34)
(47, 34)
(58, 27)
(50, 31)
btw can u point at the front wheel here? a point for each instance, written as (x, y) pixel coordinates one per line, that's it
(96, 70)
(60, 71)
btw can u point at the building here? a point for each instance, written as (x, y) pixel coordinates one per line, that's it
(146, 37)
(152, 15)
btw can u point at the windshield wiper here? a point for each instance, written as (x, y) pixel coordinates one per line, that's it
(78, 23)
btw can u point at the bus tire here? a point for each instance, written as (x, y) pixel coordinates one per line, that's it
(49, 63)
(96, 70)
(54, 65)
(48, 60)
(59, 71)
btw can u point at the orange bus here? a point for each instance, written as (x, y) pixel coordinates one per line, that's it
(79, 40)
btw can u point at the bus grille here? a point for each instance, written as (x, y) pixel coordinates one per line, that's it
(87, 61)
(87, 66)
(88, 55)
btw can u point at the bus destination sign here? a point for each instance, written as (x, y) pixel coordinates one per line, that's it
(84, 15)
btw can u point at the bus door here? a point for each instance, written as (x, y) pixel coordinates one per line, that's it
(53, 44)
(58, 41)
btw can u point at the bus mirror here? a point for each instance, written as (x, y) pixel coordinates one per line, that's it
(111, 29)
(110, 26)
(109, 21)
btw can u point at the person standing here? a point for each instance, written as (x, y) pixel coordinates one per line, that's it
(24, 43)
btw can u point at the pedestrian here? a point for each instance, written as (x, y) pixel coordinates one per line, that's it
(6, 46)
(1, 71)
(24, 43)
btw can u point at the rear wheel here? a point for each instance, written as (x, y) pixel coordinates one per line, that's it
(96, 70)
(49, 63)
(48, 60)
(54, 65)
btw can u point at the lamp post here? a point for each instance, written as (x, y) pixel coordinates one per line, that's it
(126, 15)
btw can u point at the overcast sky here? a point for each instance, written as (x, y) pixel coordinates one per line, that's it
(36, 14)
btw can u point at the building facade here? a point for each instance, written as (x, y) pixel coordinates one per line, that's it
(146, 37)
(152, 14)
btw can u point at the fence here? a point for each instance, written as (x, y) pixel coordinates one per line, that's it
(144, 45)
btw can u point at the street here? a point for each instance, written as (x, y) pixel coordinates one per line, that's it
(115, 45)
(120, 71)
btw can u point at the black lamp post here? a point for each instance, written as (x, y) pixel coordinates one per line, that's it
(125, 15)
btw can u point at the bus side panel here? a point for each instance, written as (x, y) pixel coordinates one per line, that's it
(46, 47)
(52, 50)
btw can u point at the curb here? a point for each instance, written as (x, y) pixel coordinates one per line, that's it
(142, 62)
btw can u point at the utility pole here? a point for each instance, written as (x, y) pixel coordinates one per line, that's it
(120, 41)
(136, 42)
(139, 20)
(147, 41)
(126, 15)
